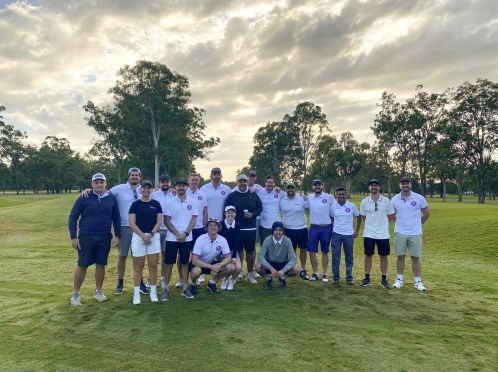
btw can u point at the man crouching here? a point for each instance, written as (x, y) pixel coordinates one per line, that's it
(276, 257)
(211, 255)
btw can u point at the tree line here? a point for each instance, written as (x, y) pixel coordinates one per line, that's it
(447, 142)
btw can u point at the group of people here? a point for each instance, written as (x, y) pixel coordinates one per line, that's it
(211, 230)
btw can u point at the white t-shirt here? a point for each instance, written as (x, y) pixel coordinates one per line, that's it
(180, 213)
(215, 197)
(343, 217)
(125, 196)
(408, 213)
(162, 197)
(376, 221)
(271, 207)
(320, 208)
(201, 201)
(293, 210)
(208, 250)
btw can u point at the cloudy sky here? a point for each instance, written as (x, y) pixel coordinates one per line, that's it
(248, 62)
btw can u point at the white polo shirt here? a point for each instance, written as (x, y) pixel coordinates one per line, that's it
(125, 196)
(180, 213)
(376, 221)
(343, 217)
(293, 210)
(408, 213)
(201, 201)
(320, 208)
(162, 197)
(215, 197)
(207, 250)
(271, 207)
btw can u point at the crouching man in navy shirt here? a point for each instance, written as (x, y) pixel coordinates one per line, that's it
(211, 255)
(95, 213)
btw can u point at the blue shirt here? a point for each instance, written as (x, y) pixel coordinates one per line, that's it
(146, 214)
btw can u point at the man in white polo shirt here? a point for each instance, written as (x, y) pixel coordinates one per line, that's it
(293, 209)
(180, 217)
(320, 228)
(270, 200)
(412, 211)
(215, 193)
(211, 255)
(376, 210)
(344, 232)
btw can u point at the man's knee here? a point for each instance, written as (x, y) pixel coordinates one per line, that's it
(259, 268)
(294, 271)
(195, 273)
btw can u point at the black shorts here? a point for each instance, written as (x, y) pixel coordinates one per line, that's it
(276, 265)
(383, 246)
(234, 253)
(247, 240)
(298, 237)
(94, 250)
(196, 233)
(263, 233)
(204, 270)
(175, 248)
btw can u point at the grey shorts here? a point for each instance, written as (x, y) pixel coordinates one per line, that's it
(411, 244)
(125, 241)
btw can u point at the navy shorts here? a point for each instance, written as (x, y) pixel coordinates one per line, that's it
(196, 233)
(298, 237)
(276, 265)
(247, 240)
(383, 246)
(321, 235)
(175, 248)
(204, 270)
(94, 250)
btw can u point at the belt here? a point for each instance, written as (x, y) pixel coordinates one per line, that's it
(315, 225)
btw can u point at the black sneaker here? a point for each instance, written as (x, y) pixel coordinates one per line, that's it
(193, 289)
(349, 282)
(336, 282)
(314, 277)
(269, 283)
(165, 295)
(303, 274)
(186, 293)
(119, 290)
(365, 282)
(283, 283)
(143, 289)
(384, 284)
(211, 287)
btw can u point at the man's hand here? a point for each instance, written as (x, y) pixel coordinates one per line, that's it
(273, 271)
(277, 189)
(115, 241)
(248, 215)
(147, 239)
(355, 234)
(76, 244)
(181, 237)
(216, 267)
(85, 193)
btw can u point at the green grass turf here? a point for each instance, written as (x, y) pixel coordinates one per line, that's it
(309, 326)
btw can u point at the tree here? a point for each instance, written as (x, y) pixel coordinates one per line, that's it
(473, 124)
(12, 149)
(351, 158)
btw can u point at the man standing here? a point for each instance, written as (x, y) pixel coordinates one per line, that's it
(162, 196)
(320, 228)
(95, 213)
(411, 211)
(180, 217)
(276, 257)
(293, 208)
(251, 183)
(215, 193)
(342, 211)
(270, 200)
(376, 210)
(248, 206)
(211, 255)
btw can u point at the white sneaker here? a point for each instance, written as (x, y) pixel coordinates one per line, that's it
(230, 285)
(420, 286)
(99, 296)
(398, 283)
(75, 300)
(251, 278)
(202, 279)
(255, 273)
(136, 299)
(153, 294)
(241, 275)
(324, 278)
(224, 283)
(179, 283)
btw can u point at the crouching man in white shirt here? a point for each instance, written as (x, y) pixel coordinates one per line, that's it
(211, 255)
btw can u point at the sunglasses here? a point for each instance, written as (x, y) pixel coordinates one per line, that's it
(376, 206)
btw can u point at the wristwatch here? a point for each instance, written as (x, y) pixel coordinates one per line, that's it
(187, 233)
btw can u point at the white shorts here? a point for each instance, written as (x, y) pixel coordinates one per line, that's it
(139, 249)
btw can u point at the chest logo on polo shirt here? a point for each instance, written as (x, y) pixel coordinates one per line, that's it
(189, 207)
(324, 201)
(414, 203)
(199, 197)
(275, 196)
(348, 210)
(218, 248)
(223, 193)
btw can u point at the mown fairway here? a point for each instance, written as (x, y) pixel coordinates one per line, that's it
(309, 326)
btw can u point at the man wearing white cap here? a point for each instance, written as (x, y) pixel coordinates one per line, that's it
(91, 238)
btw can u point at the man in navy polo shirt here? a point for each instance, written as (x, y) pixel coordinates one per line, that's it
(95, 213)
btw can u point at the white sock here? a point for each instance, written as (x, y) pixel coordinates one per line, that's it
(185, 285)
(418, 279)
(400, 277)
(162, 279)
(136, 291)
(153, 288)
(211, 281)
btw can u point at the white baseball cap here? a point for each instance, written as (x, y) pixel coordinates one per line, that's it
(98, 176)
(230, 207)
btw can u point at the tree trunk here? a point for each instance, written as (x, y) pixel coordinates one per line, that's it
(389, 192)
(155, 136)
(443, 184)
(459, 183)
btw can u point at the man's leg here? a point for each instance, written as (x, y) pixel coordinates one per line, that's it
(99, 276)
(195, 273)
(260, 269)
(79, 277)
(368, 264)
(224, 272)
(400, 265)
(184, 250)
(303, 257)
(348, 242)
(416, 267)
(325, 236)
(383, 264)
(314, 262)
(337, 242)
(124, 247)
(312, 246)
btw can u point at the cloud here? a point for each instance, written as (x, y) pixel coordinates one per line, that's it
(248, 62)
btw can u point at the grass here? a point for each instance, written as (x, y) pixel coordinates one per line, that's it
(310, 326)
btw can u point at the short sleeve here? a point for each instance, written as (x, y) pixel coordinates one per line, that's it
(197, 248)
(159, 208)
(194, 210)
(225, 249)
(423, 203)
(355, 210)
(390, 208)
(167, 209)
(363, 211)
(133, 208)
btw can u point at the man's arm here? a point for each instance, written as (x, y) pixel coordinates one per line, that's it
(259, 207)
(291, 256)
(116, 219)
(261, 255)
(191, 225)
(196, 261)
(425, 214)
(204, 215)
(171, 228)
(358, 225)
(73, 218)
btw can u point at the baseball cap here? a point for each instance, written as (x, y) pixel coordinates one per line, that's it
(317, 181)
(98, 176)
(147, 183)
(181, 181)
(212, 220)
(290, 184)
(241, 177)
(216, 170)
(229, 208)
(134, 169)
(164, 177)
(405, 179)
(252, 173)
(374, 180)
